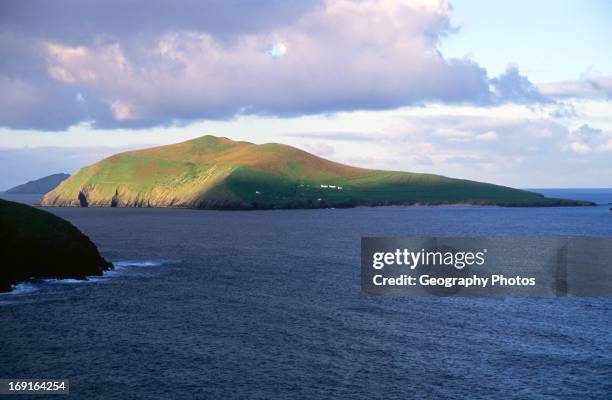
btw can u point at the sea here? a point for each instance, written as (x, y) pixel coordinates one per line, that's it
(267, 305)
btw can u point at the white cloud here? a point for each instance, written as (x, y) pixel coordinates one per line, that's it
(592, 85)
(530, 149)
(585, 139)
(321, 149)
(488, 136)
(122, 111)
(580, 148)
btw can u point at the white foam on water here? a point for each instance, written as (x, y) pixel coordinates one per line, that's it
(141, 263)
(66, 281)
(21, 288)
(120, 268)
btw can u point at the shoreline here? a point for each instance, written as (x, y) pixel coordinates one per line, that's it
(416, 205)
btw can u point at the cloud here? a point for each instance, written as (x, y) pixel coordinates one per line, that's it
(45, 105)
(563, 110)
(320, 148)
(579, 147)
(84, 21)
(468, 160)
(336, 136)
(516, 145)
(504, 130)
(191, 61)
(591, 86)
(32, 163)
(488, 136)
(586, 139)
(513, 87)
(505, 142)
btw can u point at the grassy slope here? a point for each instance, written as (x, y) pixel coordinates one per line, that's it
(37, 244)
(211, 172)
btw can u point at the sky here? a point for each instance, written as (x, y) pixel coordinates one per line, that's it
(515, 93)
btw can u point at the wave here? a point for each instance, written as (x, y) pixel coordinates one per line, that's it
(121, 267)
(21, 288)
(66, 281)
(19, 292)
(142, 263)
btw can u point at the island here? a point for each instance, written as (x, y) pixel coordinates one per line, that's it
(36, 244)
(39, 186)
(218, 173)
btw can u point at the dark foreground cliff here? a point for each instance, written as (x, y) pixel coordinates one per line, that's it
(35, 244)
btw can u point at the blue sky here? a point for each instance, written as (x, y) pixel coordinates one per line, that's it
(511, 92)
(550, 40)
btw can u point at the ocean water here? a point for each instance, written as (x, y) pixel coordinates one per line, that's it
(267, 304)
(598, 196)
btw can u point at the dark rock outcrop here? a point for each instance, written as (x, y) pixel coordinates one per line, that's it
(35, 244)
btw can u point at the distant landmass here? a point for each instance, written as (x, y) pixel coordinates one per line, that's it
(218, 173)
(39, 186)
(35, 244)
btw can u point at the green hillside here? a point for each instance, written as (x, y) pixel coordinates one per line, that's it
(219, 173)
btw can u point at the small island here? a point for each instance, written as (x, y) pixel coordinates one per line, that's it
(36, 244)
(39, 186)
(218, 173)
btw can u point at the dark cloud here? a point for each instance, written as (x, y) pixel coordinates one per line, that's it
(141, 64)
(83, 21)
